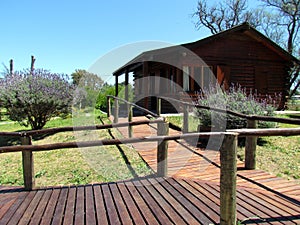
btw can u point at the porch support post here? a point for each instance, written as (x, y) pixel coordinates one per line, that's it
(145, 85)
(117, 85)
(126, 84)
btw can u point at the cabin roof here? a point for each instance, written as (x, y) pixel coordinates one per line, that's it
(244, 28)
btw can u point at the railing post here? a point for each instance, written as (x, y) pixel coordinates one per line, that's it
(228, 179)
(185, 118)
(162, 149)
(116, 116)
(250, 147)
(27, 162)
(158, 106)
(130, 114)
(108, 106)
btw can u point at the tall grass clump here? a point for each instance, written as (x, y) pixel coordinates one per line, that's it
(235, 99)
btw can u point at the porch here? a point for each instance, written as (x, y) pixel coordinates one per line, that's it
(144, 201)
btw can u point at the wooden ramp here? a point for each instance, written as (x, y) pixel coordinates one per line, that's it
(187, 161)
(144, 201)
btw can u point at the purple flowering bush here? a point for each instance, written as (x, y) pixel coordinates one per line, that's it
(235, 99)
(33, 98)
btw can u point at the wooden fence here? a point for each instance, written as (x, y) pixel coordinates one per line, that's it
(252, 121)
(228, 151)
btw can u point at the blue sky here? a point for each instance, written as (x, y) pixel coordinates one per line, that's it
(66, 35)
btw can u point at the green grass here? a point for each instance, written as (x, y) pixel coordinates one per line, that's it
(178, 121)
(72, 166)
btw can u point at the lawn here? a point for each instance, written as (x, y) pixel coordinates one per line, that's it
(71, 166)
(277, 155)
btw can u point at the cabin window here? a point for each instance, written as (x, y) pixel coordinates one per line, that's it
(203, 76)
(172, 81)
(186, 78)
(196, 78)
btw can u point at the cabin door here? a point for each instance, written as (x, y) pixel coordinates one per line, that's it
(223, 76)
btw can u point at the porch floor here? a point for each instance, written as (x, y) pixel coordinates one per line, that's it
(144, 201)
(189, 162)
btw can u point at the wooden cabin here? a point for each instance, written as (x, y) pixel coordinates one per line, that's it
(240, 55)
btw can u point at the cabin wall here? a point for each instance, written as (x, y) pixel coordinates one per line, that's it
(252, 65)
(235, 58)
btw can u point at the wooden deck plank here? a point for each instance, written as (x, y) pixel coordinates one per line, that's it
(22, 208)
(132, 207)
(47, 216)
(267, 212)
(204, 204)
(31, 208)
(10, 210)
(70, 206)
(79, 208)
(281, 207)
(199, 215)
(90, 216)
(156, 210)
(111, 209)
(100, 205)
(120, 205)
(178, 216)
(143, 206)
(60, 206)
(36, 218)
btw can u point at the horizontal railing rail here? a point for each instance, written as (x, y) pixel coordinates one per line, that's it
(132, 104)
(78, 128)
(228, 155)
(83, 144)
(237, 114)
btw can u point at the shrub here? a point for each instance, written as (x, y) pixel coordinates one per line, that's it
(32, 98)
(235, 99)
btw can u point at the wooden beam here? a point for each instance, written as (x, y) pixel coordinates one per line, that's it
(116, 85)
(145, 85)
(126, 84)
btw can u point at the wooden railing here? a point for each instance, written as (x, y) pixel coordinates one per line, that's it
(228, 154)
(228, 150)
(252, 120)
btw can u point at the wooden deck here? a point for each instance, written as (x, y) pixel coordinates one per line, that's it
(144, 201)
(190, 195)
(186, 161)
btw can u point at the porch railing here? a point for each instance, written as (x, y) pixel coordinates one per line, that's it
(228, 151)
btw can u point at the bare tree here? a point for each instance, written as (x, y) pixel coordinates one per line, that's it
(288, 20)
(288, 12)
(222, 16)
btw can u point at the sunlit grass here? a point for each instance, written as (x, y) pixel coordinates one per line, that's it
(71, 166)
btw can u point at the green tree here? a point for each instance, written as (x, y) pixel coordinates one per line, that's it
(109, 89)
(32, 98)
(88, 86)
